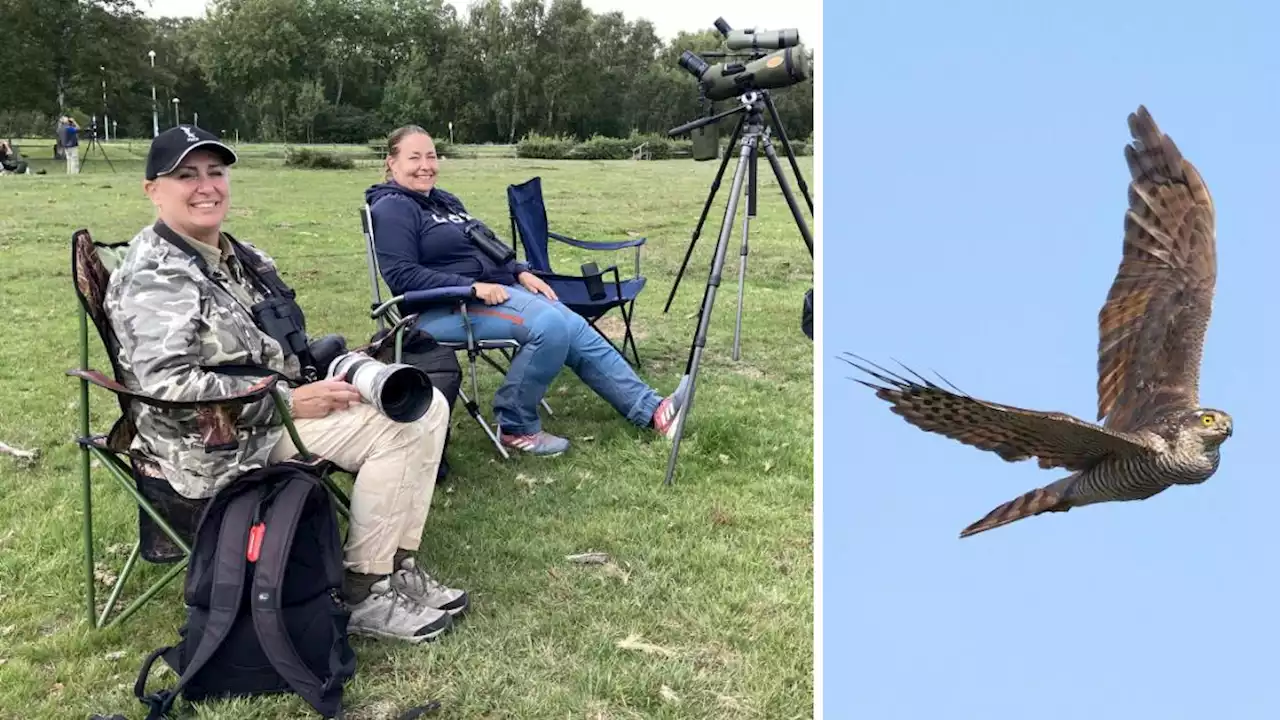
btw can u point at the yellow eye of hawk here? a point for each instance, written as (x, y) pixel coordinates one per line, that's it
(1207, 419)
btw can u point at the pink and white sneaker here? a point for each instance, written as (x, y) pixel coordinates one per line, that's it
(664, 418)
(539, 443)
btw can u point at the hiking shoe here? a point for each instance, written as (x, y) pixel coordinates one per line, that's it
(390, 614)
(664, 418)
(539, 443)
(421, 587)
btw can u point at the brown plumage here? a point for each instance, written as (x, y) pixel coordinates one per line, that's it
(1152, 326)
(1151, 330)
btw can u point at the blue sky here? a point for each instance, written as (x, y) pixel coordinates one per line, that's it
(974, 191)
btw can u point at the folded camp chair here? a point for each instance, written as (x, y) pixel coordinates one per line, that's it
(529, 222)
(399, 308)
(166, 520)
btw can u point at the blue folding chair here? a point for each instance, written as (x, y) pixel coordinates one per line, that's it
(398, 308)
(529, 222)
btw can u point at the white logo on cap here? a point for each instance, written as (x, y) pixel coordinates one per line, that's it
(191, 137)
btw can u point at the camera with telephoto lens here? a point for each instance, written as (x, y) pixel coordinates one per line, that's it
(401, 392)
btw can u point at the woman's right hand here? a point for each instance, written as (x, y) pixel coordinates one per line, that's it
(318, 399)
(490, 293)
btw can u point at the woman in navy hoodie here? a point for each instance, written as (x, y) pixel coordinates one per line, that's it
(418, 231)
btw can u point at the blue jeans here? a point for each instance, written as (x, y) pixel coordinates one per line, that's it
(551, 336)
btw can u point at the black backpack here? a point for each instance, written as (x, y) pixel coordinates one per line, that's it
(263, 596)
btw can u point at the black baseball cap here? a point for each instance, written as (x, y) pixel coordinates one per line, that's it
(171, 146)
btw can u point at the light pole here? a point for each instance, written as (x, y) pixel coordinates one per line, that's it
(177, 117)
(155, 115)
(106, 121)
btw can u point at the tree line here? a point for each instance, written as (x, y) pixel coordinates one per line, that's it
(351, 70)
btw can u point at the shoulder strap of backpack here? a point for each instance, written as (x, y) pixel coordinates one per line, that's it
(224, 603)
(268, 579)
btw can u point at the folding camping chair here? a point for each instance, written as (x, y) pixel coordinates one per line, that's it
(166, 520)
(400, 307)
(529, 222)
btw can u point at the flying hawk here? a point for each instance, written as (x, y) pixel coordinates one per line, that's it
(1151, 332)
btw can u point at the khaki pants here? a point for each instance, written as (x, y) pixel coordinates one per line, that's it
(395, 466)
(73, 160)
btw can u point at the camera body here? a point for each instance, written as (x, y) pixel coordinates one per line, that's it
(399, 391)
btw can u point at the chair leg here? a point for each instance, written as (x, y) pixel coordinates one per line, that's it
(87, 493)
(86, 472)
(125, 572)
(344, 502)
(607, 339)
(628, 312)
(150, 593)
(118, 471)
(474, 410)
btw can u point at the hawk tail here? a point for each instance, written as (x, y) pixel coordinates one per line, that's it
(1040, 500)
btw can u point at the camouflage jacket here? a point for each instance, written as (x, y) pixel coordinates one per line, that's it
(172, 321)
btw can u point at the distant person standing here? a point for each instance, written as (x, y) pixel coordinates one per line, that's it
(69, 138)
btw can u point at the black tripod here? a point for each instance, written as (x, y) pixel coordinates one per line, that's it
(93, 142)
(754, 132)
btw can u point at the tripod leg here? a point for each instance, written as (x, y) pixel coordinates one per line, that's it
(709, 298)
(786, 193)
(786, 146)
(752, 164)
(706, 207)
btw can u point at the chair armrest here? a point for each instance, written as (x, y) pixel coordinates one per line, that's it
(598, 244)
(575, 278)
(387, 337)
(617, 277)
(255, 392)
(439, 296)
(418, 300)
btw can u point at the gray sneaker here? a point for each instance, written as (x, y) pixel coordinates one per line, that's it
(421, 587)
(390, 614)
(540, 443)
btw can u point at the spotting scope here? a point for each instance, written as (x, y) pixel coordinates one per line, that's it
(787, 65)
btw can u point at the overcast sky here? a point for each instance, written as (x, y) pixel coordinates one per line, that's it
(668, 16)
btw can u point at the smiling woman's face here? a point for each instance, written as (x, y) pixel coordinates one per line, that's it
(193, 199)
(414, 163)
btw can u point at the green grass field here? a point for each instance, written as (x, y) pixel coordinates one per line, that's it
(711, 579)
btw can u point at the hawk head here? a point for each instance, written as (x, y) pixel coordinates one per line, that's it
(1210, 425)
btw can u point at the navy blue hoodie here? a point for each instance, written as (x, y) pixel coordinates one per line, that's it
(420, 243)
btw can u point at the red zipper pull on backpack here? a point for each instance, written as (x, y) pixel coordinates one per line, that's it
(256, 534)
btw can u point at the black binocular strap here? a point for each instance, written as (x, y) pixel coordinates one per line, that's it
(268, 580)
(224, 602)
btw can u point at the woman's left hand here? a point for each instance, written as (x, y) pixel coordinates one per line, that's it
(535, 284)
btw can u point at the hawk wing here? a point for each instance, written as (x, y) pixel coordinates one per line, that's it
(1152, 326)
(1056, 439)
